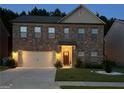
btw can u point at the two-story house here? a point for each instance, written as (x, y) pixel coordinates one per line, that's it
(38, 41)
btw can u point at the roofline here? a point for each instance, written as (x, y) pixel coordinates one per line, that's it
(116, 21)
(78, 8)
(109, 31)
(119, 21)
(61, 23)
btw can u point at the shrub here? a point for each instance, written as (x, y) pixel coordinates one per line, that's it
(107, 65)
(9, 62)
(1, 62)
(58, 64)
(78, 63)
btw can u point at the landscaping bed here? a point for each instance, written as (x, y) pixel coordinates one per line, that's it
(86, 75)
(90, 87)
(3, 68)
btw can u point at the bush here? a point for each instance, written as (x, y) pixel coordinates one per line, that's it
(9, 62)
(58, 64)
(107, 65)
(1, 63)
(78, 63)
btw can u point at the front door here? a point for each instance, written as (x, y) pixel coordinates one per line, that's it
(66, 58)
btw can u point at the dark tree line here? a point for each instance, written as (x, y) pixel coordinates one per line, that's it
(7, 15)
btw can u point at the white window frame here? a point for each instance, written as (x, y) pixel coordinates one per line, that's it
(23, 29)
(94, 31)
(81, 31)
(37, 30)
(66, 32)
(51, 32)
(94, 54)
(81, 53)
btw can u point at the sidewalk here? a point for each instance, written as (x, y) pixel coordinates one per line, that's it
(79, 83)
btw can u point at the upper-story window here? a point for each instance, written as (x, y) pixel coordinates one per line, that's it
(81, 53)
(23, 31)
(66, 33)
(37, 31)
(94, 33)
(81, 32)
(51, 32)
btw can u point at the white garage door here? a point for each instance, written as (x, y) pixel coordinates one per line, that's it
(38, 59)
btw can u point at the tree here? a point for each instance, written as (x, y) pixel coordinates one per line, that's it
(57, 12)
(23, 13)
(34, 11)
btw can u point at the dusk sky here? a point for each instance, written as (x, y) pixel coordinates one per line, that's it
(109, 11)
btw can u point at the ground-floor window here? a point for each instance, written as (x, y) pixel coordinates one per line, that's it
(81, 53)
(94, 54)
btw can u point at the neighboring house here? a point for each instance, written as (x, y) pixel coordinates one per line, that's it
(3, 40)
(38, 41)
(114, 43)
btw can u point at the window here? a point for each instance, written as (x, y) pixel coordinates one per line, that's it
(81, 32)
(37, 31)
(51, 32)
(81, 53)
(66, 33)
(23, 32)
(94, 33)
(94, 54)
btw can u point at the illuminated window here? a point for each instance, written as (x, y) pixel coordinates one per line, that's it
(23, 31)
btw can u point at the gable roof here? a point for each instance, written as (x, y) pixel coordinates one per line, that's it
(92, 18)
(36, 19)
(98, 20)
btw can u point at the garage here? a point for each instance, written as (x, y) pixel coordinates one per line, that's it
(38, 59)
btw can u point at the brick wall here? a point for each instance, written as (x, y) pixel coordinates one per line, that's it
(46, 44)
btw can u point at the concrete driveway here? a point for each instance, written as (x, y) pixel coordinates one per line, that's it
(28, 78)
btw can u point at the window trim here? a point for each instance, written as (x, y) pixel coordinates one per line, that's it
(37, 32)
(66, 35)
(80, 55)
(94, 33)
(23, 32)
(92, 55)
(81, 34)
(51, 33)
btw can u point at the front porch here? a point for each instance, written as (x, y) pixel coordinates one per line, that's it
(66, 53)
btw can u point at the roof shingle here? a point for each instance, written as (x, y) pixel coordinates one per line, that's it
(37, 19)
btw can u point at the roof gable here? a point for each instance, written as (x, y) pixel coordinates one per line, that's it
(81, 15)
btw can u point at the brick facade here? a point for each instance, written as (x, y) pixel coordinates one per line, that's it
(45, 44)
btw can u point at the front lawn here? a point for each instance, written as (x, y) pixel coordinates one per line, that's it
(90, 87)
(86, 75)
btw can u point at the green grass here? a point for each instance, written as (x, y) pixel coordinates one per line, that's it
(2, 68)
(86, 75)
(90, 87)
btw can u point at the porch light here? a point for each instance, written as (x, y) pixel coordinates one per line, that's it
(14, 54)
(58, 56)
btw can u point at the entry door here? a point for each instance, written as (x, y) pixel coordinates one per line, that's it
(66, 58)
